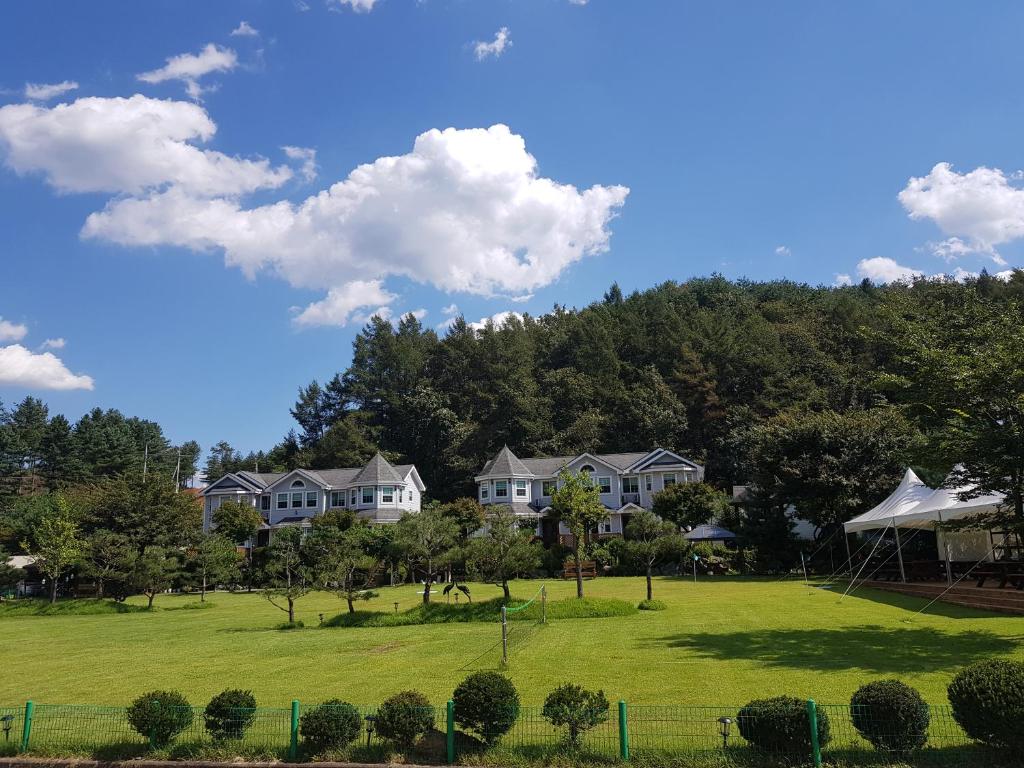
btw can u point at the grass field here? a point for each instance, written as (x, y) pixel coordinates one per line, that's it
(720, 641)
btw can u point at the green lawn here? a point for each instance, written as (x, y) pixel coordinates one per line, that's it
(720, 641)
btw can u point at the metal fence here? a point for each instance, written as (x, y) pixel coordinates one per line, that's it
(621, 733)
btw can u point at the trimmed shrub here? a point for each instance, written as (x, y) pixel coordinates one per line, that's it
(780, 725)
(487, 703)
(229, 714)
(160, 716)
(891, 715)
(576, 709)
(404, 718)
(988, 702)
(651, 605)
(332, 725)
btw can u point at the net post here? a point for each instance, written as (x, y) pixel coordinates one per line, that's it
(26, 727)
(504, 635)
(543, 604)
(293, 741)
(450, 731)
(623, 731)
(152, 729)
(812, 721)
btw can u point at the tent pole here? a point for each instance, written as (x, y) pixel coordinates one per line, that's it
(945, 546)
(899, 551)
(849, 558)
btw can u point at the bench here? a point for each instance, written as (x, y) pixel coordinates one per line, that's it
(1006, 572)
(589, 568)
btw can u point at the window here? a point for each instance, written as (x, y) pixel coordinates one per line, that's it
(630, 485)
(387, 494)
(298, 484)
(501, 489)
(587, 468)
(352, 497)
(310, 498)
(485, 490)
(606, 527)
(282, 501)
(520, 489)
(337, 498)
(367, 495)
(648, 479)
(264, 503)
(548, 487)
(605, 484)
(296, 500)
(669, 479)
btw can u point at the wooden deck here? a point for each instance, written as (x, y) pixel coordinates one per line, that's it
(987, 598)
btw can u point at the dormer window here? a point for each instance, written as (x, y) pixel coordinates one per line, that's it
(520, 489)
(298, 484)
(587, 468)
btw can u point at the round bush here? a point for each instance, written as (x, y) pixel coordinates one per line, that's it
(160, 716)
(988, 702)
(651, 605)
(487, 703)
(891, 715)
(331, 725)
(780, 725)
(229, 714)
(404, 718)
(576, 709)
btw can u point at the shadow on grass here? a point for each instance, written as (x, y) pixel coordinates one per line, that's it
(70, 607)
(915, 604)
(874, 648)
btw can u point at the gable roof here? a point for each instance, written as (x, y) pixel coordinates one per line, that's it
(505, 464)
(376, 472)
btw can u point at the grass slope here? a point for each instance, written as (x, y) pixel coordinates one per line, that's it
(720, 641)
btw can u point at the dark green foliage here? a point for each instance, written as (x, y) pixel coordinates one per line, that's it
(160, 716)
(891, 715)
(229, 714)
(781, 725)
(486, 703)
(332, 725)
(576, 709)
(988, 702)
(651, 605)
(404, 718)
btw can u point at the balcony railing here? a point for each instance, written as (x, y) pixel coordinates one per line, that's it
(630, 498)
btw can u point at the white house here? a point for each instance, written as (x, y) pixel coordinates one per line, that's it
(378, 492)
(627, 482)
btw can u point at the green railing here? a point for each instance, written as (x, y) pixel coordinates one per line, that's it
(621, 733)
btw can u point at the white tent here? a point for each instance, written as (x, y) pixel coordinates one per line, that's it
(900, 503)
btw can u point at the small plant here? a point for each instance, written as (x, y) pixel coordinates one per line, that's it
(332, 725)
(651, 605)
(404, 718)
(160, 716)
(229, 714)
(988, 702)
(287, 625)
(576, 709)
(487, 703)
(781, 725)
(891, 715)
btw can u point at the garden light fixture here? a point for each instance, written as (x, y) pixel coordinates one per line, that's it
(724, 725)
(371, 721)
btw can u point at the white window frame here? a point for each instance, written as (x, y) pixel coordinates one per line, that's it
(607, 527)
(362, 494)
(600, 483)
(283, 496)
(335, 496)
(354, 497)
(521, 491)
(387, 494)
(634, 480)
(668, 479)
(485, 490)
(311, 496)
(298, 499)
(501, 489)
(648, 483)
(548, 488)
(297, 484)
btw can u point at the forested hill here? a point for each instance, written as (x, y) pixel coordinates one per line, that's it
(696, 367)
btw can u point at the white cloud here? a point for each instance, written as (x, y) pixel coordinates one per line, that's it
(126, 145)
(58, 343)
(498, 319)
(464, 211)
(307, 157)
(881, 269)
(190, 67)
(419, 314)
(843, 279)
(578, 2)
(245, 29)
(338, 307)
(782, 250)
(20, 367)
(979, 210)
(451, 309)
(12, 331)
(359, 6)
(494, 48)
(47, 91)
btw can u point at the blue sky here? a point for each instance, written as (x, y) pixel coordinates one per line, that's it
(158, 228)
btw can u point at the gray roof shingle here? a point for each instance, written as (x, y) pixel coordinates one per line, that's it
(376, 472)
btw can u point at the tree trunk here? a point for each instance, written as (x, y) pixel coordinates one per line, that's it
(99, 589)
(579, 571)
(504, 587)
(152, 597)
(202, 592)
(53, 590)
(291, 610)
(351, 605)
(426, 589)
(649, 581)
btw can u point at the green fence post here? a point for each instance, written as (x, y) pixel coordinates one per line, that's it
(812, 719)
(451, 730)
(293, 742)
(623, 731)
(26, 727)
